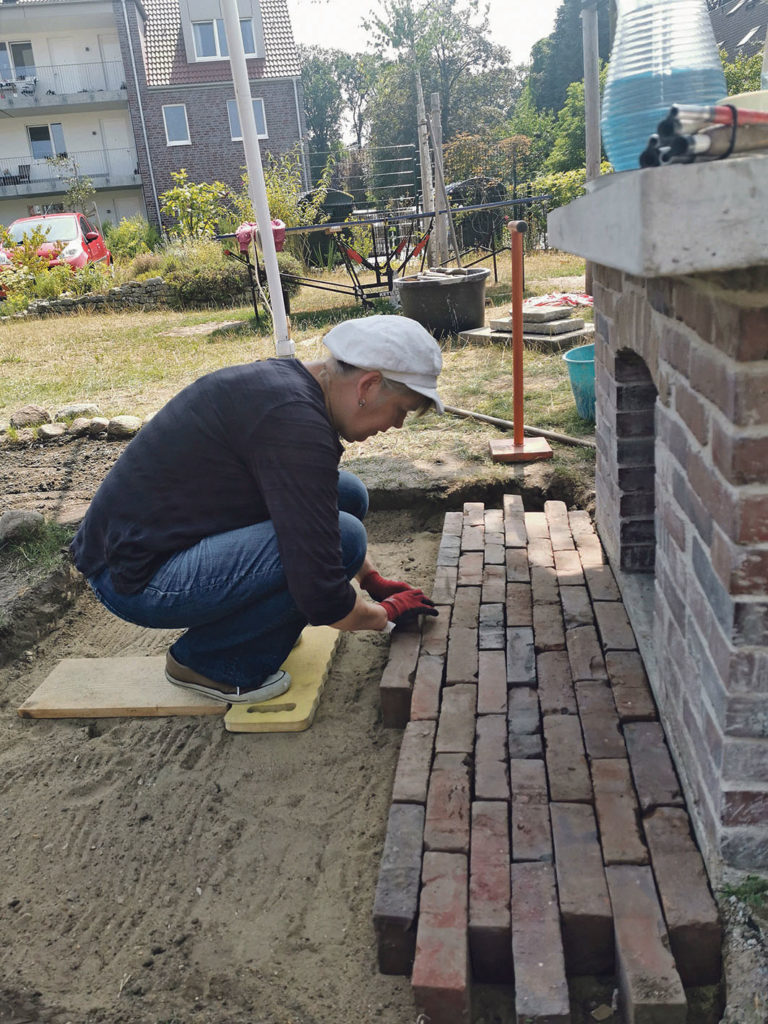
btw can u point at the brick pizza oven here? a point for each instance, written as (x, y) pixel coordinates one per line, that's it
(680, 259)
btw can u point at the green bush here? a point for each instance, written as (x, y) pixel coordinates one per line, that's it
(222, 284)
(130, 237)
(49, 284)
(562, 187)
(288, 264)
(92, 278)
(145, 264)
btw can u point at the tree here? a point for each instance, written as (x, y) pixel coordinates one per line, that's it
(742, 74)
(323, 101)
(569, 146)
(357, 75)
(194, 209)
(445, 40)
(557, 60)
(539, 128)
(80, 189)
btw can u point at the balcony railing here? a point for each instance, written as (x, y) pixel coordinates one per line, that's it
(103, 166)
(62, 80)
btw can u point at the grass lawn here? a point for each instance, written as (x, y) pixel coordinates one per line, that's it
(132, 363)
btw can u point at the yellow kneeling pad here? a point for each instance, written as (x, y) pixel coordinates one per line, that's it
(308, 664)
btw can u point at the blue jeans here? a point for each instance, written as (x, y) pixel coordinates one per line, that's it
(230, 593)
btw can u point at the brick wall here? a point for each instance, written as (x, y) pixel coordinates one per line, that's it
(212, 155)
(695, 351)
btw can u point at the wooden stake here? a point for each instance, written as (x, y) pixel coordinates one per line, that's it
(520, 449)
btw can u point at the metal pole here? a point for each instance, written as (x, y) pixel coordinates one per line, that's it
(517, 229)
(256, 185)
(441, 236)
(591, 102)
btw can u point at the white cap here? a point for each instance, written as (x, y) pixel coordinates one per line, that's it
(398, 347)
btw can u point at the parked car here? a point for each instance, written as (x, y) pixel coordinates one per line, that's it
(69, 238)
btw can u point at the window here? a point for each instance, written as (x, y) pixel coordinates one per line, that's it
(46, 140)
(211, 39)
(176, 126)
(16, 61)
(234, 119)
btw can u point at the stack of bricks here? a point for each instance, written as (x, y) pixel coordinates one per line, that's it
(537, 829)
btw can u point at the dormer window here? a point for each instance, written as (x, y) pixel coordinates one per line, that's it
(211, 39)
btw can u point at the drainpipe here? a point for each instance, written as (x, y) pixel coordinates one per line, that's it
(141, 117)
(307, 179)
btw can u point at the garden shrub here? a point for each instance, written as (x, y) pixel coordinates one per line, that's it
(143, 265)
(133, 235)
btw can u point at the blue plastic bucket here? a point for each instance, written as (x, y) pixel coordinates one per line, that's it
(581, 369)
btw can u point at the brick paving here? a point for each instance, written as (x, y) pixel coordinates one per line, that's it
(537, 829)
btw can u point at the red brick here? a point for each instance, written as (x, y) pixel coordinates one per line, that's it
(414, 763)
(741, 460)
(591, 553)
(744, 807)
(689, 909)
(514, 531)
(494, 584)
(396, 905)
(466, 607)
(566, 764)
(491, 774)
(544, 585)
(585, 910)
(495, 554)
(491, 636)
(584, 653)
(540, 552)
(471, 569)
(490, 930)
(492, 683)
(519, 604)
(581, 525)
(652, 770)
(568, 569)
(556, 695)
(629, 682)
(577, 607)
(594, 698)
(434, 632)
(602, 737)
(449, 550)
(541, 990)
(523, 711)
(456, 724)
(440, 979)
(461, 664)
(555, 511)
(521, 659)
(530, 746)
(446, 827)
(601, 583)
(650, 989)
(397, 678)
(493, 519)
(618, 814)
(425, 699)
(560, 536)
(474, 513)
(529, 825)
(453, 523)
(444, 587)
(517, 565)
(548, 632)
(536, 526)
(473, 538)
(615, 631)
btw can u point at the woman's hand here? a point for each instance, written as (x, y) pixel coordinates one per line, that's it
(379, 588)
(408, 605)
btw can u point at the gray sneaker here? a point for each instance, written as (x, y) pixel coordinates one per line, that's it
(273, 686)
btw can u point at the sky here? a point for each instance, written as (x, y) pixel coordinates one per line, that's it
(516, 24)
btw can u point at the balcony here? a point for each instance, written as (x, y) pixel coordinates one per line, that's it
(56, 86)
(106, 168)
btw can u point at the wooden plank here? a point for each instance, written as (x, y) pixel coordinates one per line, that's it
(114, 688)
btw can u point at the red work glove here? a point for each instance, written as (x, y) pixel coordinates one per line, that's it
(408, 605)
(379, 588)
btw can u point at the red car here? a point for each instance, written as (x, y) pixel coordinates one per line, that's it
(69, 239)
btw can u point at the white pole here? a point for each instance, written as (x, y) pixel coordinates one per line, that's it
(591, 87)
(256, 186)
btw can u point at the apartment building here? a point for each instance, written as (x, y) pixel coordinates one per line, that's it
(128, 91)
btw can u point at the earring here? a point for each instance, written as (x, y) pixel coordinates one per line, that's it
(361, 403)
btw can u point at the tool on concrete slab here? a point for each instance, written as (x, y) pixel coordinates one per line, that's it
(690, 132)
(520, 449)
